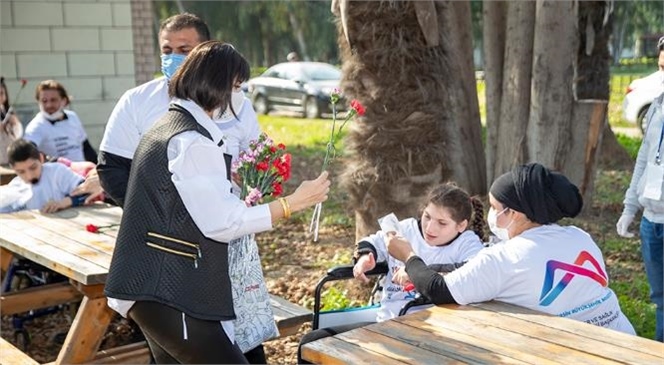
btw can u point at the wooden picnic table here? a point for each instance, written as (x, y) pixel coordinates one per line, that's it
(485, 333)
(61, 242)
(6, 174)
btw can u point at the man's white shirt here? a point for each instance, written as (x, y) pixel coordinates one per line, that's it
(141, 107)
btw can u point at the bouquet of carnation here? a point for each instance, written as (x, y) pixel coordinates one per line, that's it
(262, 170)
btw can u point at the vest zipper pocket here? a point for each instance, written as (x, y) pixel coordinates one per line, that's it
(175, 240)
(166, 249)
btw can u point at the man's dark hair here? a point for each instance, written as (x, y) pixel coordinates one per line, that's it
(21, 150)
(208, 75)
(184, 21)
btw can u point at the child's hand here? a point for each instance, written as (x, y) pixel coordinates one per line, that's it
(399, 247)
(53, 206)
(364, 264)
(401, 277)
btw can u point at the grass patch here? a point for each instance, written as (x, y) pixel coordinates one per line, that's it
(631, 144)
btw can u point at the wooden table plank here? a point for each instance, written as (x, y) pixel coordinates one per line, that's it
(332, 351)
(37, 297)
(66, 226)
(52, 257)
(614, 338)
(415, 351)
(488, 333)
(6, 174)
(591, 345)
(61, 240)
(456, 345)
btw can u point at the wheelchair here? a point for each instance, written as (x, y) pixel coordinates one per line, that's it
(23, 274)
(331, 318)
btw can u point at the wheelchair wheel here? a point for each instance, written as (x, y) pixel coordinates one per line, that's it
(19, 282)
(22, 339)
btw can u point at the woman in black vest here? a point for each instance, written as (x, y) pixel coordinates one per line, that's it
(169, 271)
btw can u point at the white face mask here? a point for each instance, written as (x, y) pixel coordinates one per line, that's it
(237, 100)
(59, 114)
(492, 219)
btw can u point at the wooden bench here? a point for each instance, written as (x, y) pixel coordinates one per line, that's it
(289, 317)
(10, 355)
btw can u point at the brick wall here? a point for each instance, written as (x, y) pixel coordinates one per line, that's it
(142, 17)
(88, 46)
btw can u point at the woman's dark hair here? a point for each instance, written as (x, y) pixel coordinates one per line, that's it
(21, 150)
(208, 75)
(184, 21)
(460, 205)
(5, 104)
(52, 85)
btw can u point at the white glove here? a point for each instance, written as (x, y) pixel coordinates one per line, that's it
(623, 225)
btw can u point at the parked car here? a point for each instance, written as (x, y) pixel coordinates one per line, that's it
(640, 94)
(302, 87)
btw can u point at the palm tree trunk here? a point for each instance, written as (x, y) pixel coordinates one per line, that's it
(422, 125)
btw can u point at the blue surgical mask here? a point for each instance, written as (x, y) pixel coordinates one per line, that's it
(170, 63)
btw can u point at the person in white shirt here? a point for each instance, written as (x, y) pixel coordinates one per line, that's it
(539, 265)
(645, 193)
(447, 234)
(56, 131)
(141, 107)
(169, 271)
(38, 185)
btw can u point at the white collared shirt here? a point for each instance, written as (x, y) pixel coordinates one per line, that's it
(198, 171)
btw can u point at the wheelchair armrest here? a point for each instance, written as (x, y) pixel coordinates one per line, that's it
(420, 300)
(341, 273)
(346, 271)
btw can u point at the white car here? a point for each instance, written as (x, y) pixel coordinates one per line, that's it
(640, 94)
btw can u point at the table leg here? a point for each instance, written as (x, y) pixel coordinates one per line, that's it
(6, 257)
(86, 332)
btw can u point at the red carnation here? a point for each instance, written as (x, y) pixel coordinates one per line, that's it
(277, 189)
(262, 166)
(92, 228)
(273, 149)
(281, 146)
(23, 82)
(358, 107)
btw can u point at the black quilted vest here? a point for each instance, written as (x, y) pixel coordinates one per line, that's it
(160, 254)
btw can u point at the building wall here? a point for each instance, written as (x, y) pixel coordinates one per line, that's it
(86, 45)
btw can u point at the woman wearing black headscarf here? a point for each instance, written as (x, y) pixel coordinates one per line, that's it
(539, 265)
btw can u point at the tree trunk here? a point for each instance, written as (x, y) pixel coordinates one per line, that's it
(515, 99)
(422, 123)
(554, 91)
(495, 18)
(299, 36)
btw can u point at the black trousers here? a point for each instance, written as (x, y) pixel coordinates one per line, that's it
(163, 328)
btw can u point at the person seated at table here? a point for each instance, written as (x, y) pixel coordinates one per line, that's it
(58, 132)
(38, 185)
(447, 234)
(539, 265)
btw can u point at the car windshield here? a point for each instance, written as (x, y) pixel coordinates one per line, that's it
(320, 72)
